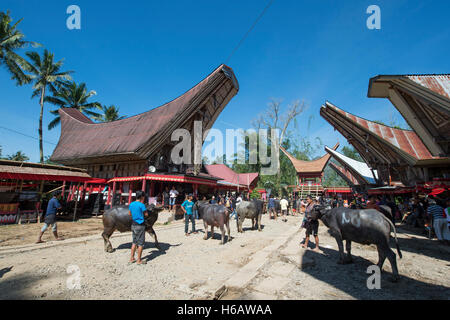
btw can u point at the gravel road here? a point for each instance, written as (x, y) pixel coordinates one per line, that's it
(192, 268)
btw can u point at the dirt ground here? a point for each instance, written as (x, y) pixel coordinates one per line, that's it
(15, 234)
(192, 268)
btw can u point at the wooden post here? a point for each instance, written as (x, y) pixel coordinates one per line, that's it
(21, 185)
(130, 191)
(108, 201)
(83, 195)
(144, 184)
(152, 188)
(113, 194)
(63, 189)
(76, 202)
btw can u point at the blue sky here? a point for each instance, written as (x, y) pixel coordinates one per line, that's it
(141, 54)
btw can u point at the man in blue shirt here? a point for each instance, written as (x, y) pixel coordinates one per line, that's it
(187, 208)
(271, 207)
(50, 218)
(138, 212)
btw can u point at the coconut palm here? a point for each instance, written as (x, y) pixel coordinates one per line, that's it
(72, 95)
(11, 40)
(44, 74)
(18, 156)
(110, 113)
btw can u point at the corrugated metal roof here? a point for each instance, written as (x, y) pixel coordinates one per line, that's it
(309, 167)
(405, 140)
(359, 168)
(437, 83)
(80, 138)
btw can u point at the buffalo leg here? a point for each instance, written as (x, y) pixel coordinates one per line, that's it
(348, 248)
(206, 230)
(153, 234)
(241, 220)
(381, 257)
(386, 252)
(341, 249)
(212, 232)
(259, 222)
(222, 229)
(228, 230)
(106, 235)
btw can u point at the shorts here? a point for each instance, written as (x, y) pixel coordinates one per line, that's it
(312, 227)
(172, 201)
(284, 212)
(138, 231)
(49, 221)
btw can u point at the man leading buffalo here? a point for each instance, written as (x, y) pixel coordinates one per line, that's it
(138, 213)
(311, 224)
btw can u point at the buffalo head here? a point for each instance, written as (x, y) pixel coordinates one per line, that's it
(319, 211)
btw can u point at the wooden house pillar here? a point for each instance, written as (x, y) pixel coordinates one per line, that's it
(113, 193)
(130, 191)
(63, 189)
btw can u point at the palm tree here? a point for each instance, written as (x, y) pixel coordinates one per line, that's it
(72, 95)
(18, 156)
(11, 39)
(45, 73)
(110, 113)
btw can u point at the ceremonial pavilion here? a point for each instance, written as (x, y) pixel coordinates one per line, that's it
(309, 174)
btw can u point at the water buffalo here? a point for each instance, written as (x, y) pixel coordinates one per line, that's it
(214, 215)
(118, 218)
(367, 226)
(250, 210)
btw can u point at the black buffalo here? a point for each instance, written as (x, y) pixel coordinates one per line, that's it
(118, 218)
(214, 215)
(362, 226)
(250, 210)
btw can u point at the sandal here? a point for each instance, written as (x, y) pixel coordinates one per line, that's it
(142, 262)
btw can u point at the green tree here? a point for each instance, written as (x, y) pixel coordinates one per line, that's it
(11, 40)
(72, 95)
(350, 152)
(110, 113)
(18, 156)
(274, 118)
(44, 74)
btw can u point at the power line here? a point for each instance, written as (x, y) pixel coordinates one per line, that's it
(26, 135)
(249, 30)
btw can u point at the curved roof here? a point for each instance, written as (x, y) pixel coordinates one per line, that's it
(313, 167)
(424, 102)
(360, 170)
(228, 176)
(140, 135)
(406, 143)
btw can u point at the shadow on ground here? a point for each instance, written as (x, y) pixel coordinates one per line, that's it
(149, 245)
(4, 271)
(18, 287)
(352, 279)
(423, 246)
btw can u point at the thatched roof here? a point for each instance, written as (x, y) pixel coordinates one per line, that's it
(138, 137)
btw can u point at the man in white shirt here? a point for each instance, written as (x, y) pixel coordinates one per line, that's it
(173, 194)
(284, 207)
(238, 200)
